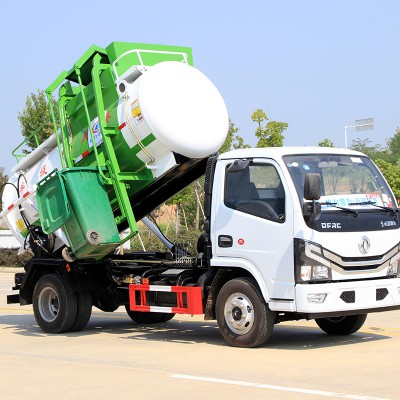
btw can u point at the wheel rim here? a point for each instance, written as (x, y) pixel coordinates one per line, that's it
(239, 313)
(48, 304)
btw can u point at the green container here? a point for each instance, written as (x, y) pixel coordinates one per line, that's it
(76, 200)
(53, 204)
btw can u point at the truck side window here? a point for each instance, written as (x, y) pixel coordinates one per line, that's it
(256, 190)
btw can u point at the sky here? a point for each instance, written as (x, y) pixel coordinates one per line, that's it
(317, 65)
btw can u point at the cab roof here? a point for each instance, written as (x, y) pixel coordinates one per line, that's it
(274, 152)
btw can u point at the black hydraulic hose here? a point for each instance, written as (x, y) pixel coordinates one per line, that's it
(19, 177)
(21, 212)
(25, 220)
(9, 183)
(29, 226)
(153, 272)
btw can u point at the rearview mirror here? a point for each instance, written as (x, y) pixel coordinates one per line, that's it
(312, 186)
(328, 164)
(312, 191)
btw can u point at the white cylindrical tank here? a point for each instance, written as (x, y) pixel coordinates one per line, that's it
(177, 104)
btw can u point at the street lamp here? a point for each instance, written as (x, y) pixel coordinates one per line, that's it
(366, 124)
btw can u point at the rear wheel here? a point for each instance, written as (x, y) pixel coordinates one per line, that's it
(243, 317)
(84, 310)
(54, 305)
(148, 317)
(341, 325)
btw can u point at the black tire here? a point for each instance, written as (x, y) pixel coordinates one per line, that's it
(341, 325)
(54, 305)
(144, 318)
(166, 317)
(84, 310)
(105, 304)
(235, 296)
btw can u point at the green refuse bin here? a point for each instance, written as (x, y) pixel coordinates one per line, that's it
(76, 200)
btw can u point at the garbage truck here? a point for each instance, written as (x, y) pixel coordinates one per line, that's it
(289, 233)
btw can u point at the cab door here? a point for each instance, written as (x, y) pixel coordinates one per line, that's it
(253, 223)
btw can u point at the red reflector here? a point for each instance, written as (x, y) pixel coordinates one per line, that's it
(26, 195)
(85, 153)
(188, 298)
(122, 126)
(10, 207)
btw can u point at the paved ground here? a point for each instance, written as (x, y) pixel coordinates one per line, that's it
(186, 358)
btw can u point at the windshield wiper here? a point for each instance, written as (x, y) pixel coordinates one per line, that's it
(346, 210)
(371, 203)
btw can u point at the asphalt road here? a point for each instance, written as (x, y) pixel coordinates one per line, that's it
(187, 358)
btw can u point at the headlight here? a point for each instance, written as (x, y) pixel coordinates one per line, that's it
(310, 264)
(314, 272)
(321, 272)
(393, 268)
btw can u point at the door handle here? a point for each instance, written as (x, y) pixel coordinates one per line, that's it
(225, 241)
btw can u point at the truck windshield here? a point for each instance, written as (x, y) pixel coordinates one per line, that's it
(346, 181)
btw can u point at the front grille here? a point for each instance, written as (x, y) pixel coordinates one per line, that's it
(362, 259)
(349, 296)
(381, 293)
(366, 263)
(359, 267)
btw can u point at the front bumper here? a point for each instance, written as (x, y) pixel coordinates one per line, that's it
(345, 298)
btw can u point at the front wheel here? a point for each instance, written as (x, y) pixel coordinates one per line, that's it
(341, 325)
(54, 306)
(243, 317)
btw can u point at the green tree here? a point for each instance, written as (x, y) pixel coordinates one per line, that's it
(394, 147)
(374, 152)
(362, 145)
(239, 143)
(186, 206)
(326, 143)
(232, 140)
(270, 135)
(36, 115)
(189, 203)
(259, 117)
(392, 175)
(387, 159)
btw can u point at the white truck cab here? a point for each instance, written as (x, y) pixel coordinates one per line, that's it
(317, 230)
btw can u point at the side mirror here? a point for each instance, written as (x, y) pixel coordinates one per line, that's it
(312, 186)
(312, 191)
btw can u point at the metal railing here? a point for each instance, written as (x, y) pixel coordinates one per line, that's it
(141, 63)
(26, 141)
